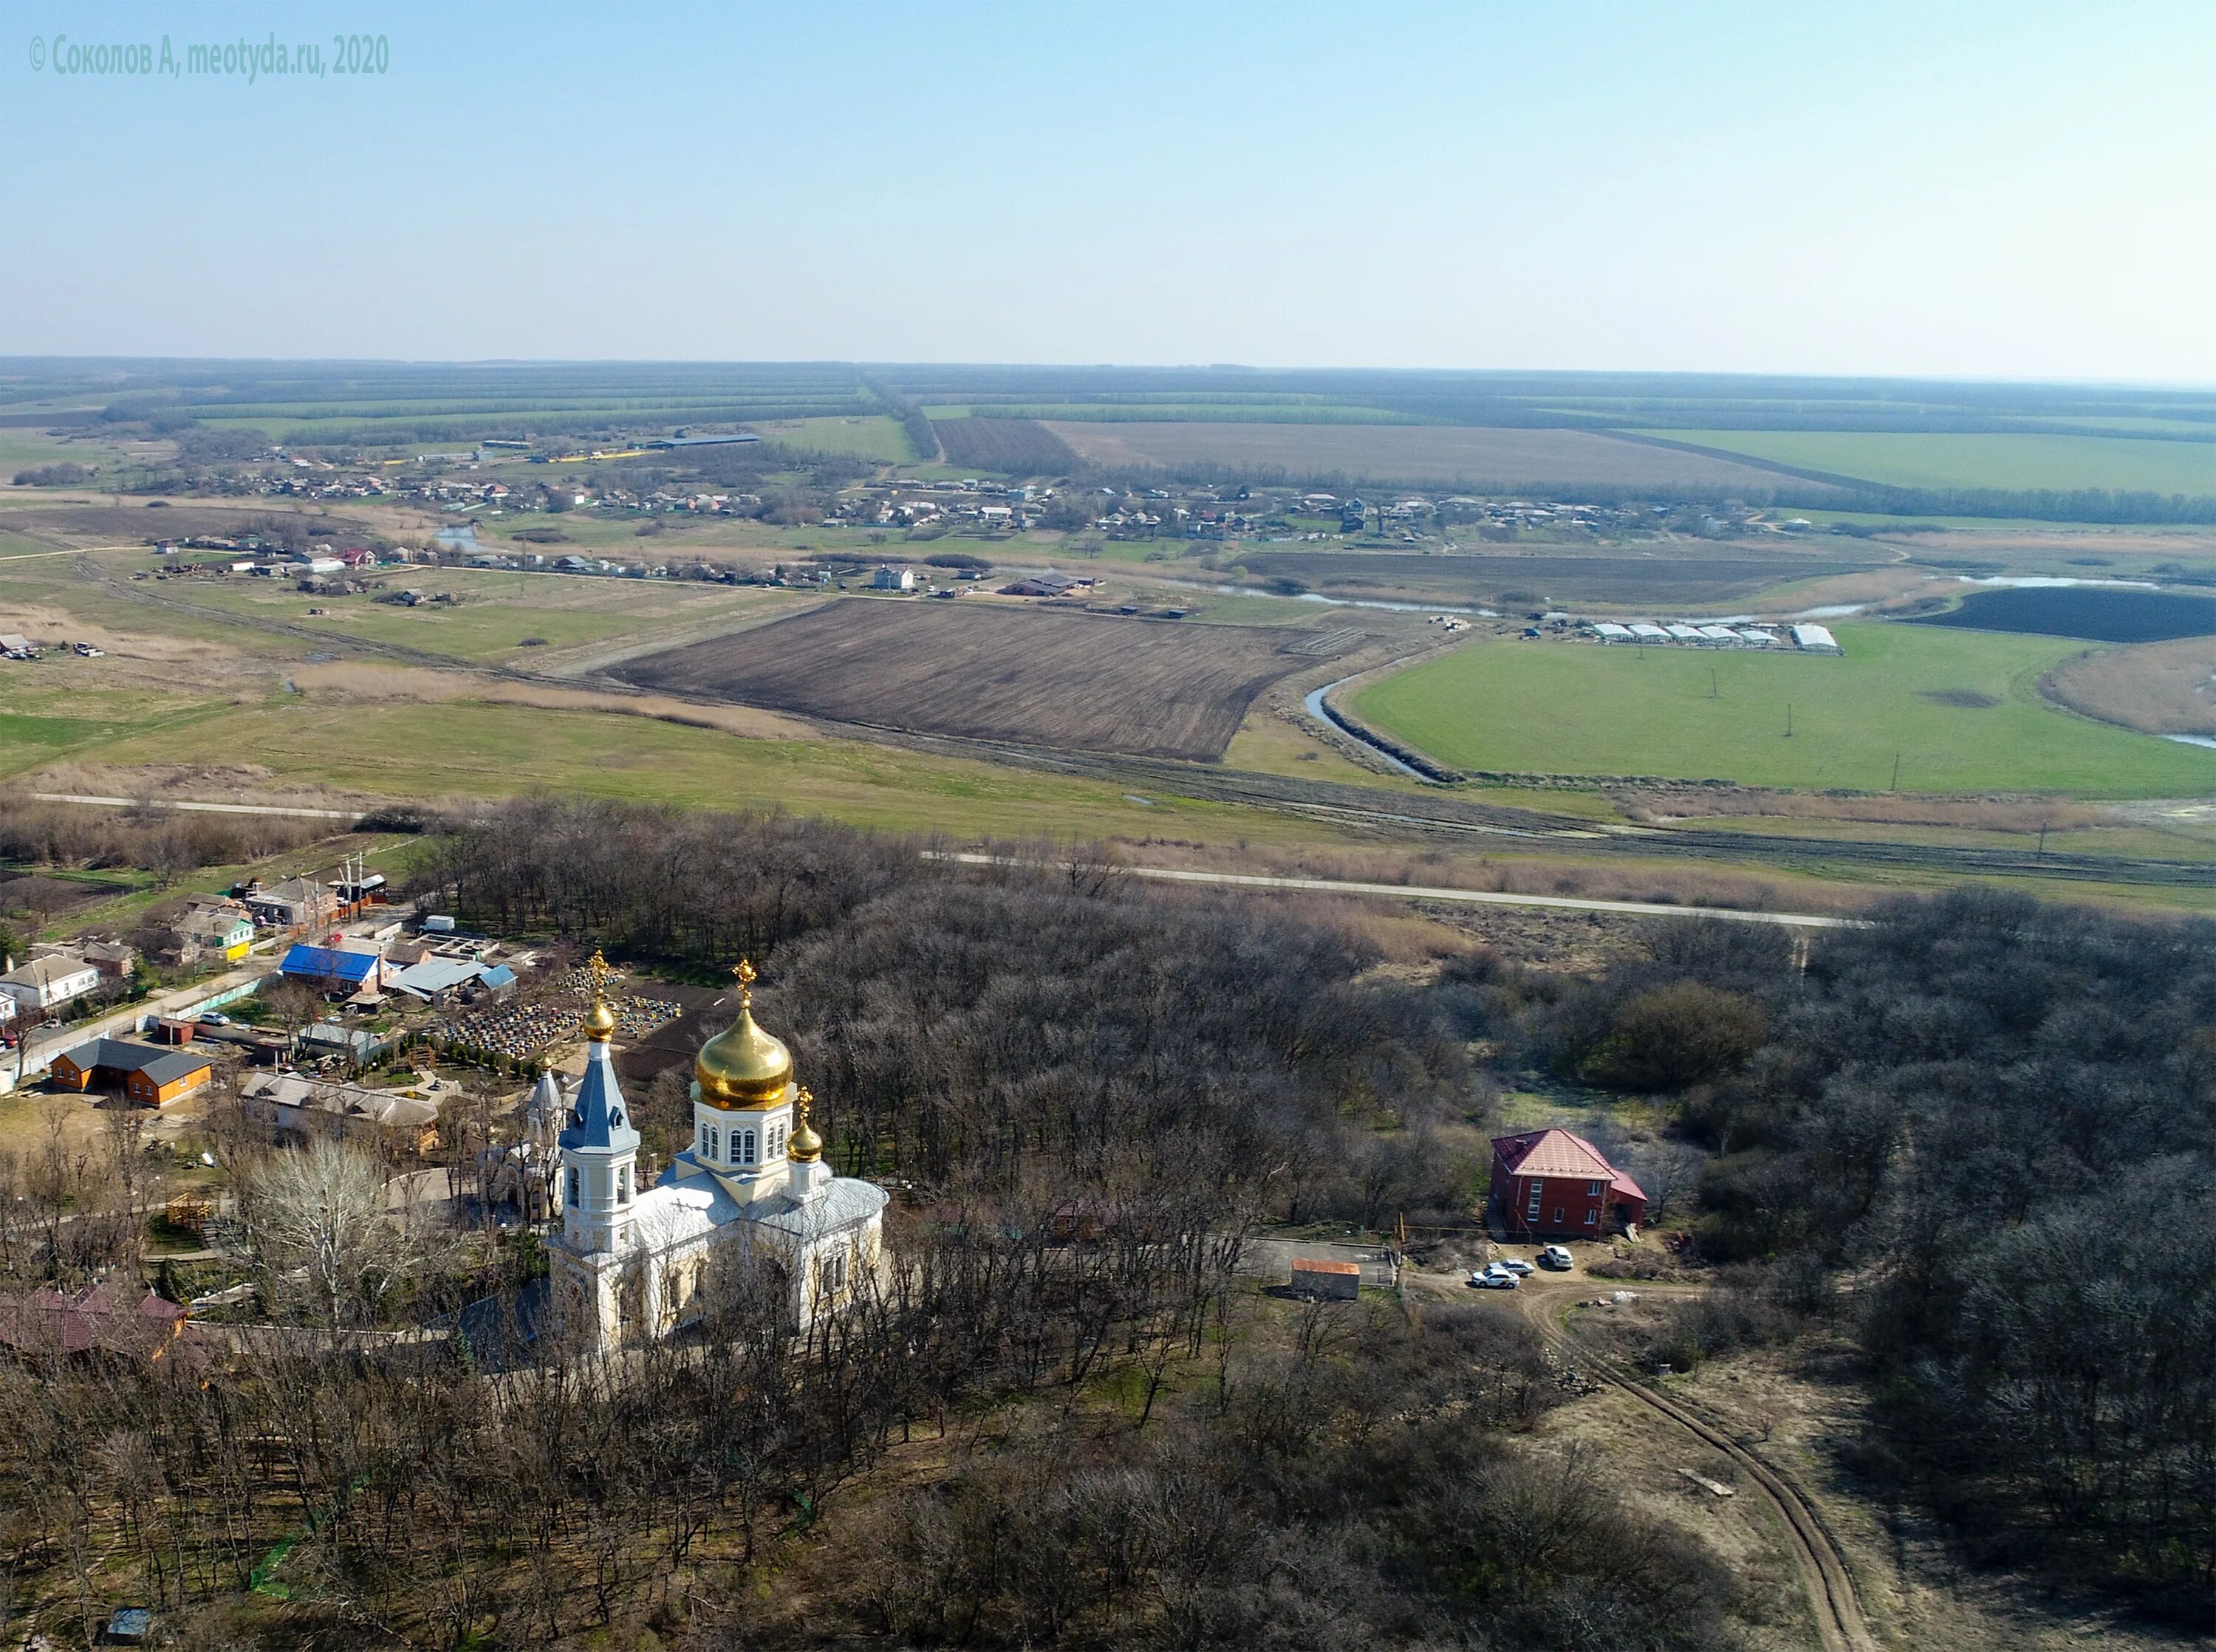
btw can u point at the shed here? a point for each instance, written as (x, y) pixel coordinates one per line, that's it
(1341, 1280)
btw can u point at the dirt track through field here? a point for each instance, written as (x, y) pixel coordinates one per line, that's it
(1816, 1554)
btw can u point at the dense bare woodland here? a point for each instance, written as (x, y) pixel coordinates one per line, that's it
(1063, 1421)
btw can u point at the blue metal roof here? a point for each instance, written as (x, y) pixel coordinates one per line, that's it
(327, 963)
(600, 1118)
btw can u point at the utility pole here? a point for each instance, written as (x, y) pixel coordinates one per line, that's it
(1896, 771)
(1712, 682)
(2041, 854)
(1788, 720)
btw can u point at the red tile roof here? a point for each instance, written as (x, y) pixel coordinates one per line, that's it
(1560, 1153)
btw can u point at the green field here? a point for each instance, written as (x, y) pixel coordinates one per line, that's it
(1563, 707)
(1958, 460)
(867, 437)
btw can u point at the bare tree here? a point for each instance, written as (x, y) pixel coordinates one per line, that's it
(319, 1220)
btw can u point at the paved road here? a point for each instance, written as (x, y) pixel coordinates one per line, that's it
(1472, 897)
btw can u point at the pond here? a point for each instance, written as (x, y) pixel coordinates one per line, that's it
(2095, 615)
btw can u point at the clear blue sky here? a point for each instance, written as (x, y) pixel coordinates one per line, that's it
(2015, 190)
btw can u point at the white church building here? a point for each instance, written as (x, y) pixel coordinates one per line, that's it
(628, 1262)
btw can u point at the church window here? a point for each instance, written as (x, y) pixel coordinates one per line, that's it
(831, 1274)
(746, 1146)
(573, 1200)
(712, 1143)
(623, 1184)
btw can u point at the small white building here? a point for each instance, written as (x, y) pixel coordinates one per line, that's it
(1816, 639)
(47, 983)
(892, 579)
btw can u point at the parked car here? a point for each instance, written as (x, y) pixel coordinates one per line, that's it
(89, 651)
(1515, 1265)
(214, 1018)
(1494, 1278)
(1557, 1257)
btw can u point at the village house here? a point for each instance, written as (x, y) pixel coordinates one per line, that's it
(348, 965)
(892, 579)
(50, 982)
(298, 1108)
(208, 927)
(295, 903)
(149, 1076)
(1552, 1184)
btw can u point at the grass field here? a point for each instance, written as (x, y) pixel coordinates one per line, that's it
(1579, 709)
(871, 436)
(990, 672)
(1429, 455)
(469, 748)
(1959, 460)
(498, 612)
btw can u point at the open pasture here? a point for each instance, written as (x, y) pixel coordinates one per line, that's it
(1946, 460)
(1149, 688)
(1669, 582)
(1961, 710)
(1419, 455)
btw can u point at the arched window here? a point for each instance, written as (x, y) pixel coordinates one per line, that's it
(712, 1141)
(623, 1184)
(746, 1146)
(776, 1140)
(573, 1200)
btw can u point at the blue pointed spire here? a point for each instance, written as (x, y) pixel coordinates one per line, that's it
(600, 1118)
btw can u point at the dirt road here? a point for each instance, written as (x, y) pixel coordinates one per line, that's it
(1816, 1554)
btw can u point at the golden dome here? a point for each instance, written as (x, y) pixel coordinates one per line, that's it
(599, 1020)
(806, 1146)
(743, 1066)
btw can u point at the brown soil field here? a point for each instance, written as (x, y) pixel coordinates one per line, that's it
(1519, 579)
(1426, 455)
(129, 524)
(2157, 688)
(1146, 688)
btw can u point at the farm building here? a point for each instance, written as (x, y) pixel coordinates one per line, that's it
(892, 579)
(1816, 639)
(1609, 631)
(149, 1076)
(1552, 1184)
(1339, 1280)
(1045, 585)
(46, 983)
(1647, 631)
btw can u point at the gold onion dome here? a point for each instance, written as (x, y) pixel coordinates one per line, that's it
(744, 1065)
(599, 1020)
(806, 1146)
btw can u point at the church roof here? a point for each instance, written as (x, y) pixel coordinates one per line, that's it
(676, 1212)
(600, 1118)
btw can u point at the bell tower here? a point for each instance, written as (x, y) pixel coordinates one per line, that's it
(599, 1184)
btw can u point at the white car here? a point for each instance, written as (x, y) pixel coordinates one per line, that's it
(1493, 1277)
(1558, 1258)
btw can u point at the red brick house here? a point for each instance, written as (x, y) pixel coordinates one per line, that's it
(1550, 1184)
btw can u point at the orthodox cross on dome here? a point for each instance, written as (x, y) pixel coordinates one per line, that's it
(744, 970)
(596, 972)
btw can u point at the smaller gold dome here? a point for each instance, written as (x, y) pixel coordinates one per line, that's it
(806, 1146)
(599, 1020)
(743, 1066)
